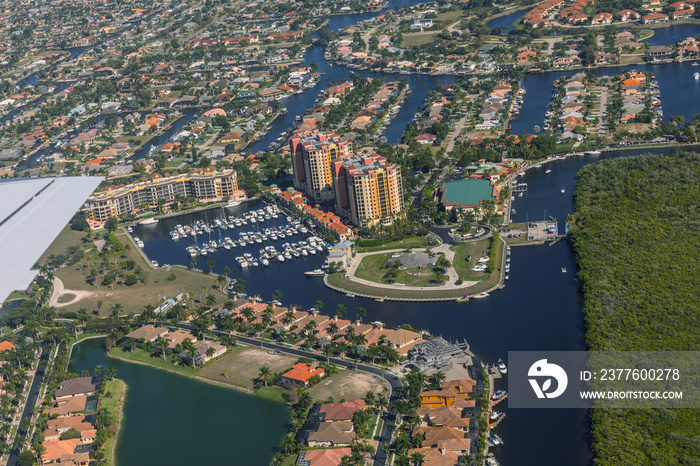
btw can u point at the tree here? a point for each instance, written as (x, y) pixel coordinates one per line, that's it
(211, 265)
(162, 344)
(340, 310)
(439, 377)
(26, 458)
(361, 312)
(319, 305)
(265, 374)
(277, 295)
(111, 224)
(417, 458)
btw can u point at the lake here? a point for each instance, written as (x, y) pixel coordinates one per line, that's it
(170, 419)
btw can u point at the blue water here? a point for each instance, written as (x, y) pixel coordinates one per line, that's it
(507, 20)
(671, 34)
(680, 92)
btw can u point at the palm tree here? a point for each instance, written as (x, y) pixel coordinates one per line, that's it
(210, 352)
(439, 378)
(340, 310)
(381, 402)
(361, 312)
(277, 295)
(210, 264)
(248, 313)
(304, 400)
(289, 317)
(211, 300)
(264, 374)
(226, 373)
(162, 344)
(227, 271)
(318, 305)
(417, 458)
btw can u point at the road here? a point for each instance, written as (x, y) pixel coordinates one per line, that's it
(394, 382)
(13, 459)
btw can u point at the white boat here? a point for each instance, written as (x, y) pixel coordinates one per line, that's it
(481, 295)
(149, 221)
(498, 394)
(549, 170)
(696, 75)
(563, 190)
(593, 152)
(563, 270)
(380, 300)
(315, 273)
(502, 367)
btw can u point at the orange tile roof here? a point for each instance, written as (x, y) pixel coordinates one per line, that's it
(303, 372)
(6, 345)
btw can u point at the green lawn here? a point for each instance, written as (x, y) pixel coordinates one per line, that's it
(271, 392)
(370, 426)
(474, 249)
(413, 40)
(132, 298)
(116, 387)
(371, 269)
(139, 355)
(410, 242)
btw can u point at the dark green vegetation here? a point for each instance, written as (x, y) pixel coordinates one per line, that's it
(637, 244)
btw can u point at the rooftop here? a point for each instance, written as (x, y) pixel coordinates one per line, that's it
(467, 191)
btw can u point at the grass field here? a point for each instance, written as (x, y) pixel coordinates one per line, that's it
(116, 388)
(414, 40)
(463, 267)
(410, 242)
(132, 298)
(371, 269)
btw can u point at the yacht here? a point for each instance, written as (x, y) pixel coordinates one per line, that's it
(481, 295)
(563, 190)
(315, 273)
(563, 270)
(696, 75)
(548, 171)
(149, 221)
(502, 367)
(498, 394)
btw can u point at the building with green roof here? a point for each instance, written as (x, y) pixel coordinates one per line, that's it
(466, 194)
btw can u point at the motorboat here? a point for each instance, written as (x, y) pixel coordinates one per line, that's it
(482, 295)
(548, 171)
(502, 367)
(498, 394)
(563, 190)
(315, 273)
(696, 75)
(149, 221)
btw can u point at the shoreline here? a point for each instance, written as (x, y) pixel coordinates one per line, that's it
(120, 416)
(194, 377)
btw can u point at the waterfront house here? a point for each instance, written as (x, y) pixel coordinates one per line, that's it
(59, 449)
(628, 15)
(147, 333)
(177, 338)
(448, 393)
(56, 427)
(330, 434)
(202, 356)
(436, 456)
(68, 406)
(459, 415)
(448, 438)
(660, 52)
(339, 254)
(331, 412)
(323, 457)
(299, 375)
(403, 340)
(77, 386)
(654, 18)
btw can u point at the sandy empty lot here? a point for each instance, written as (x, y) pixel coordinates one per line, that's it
(348, 384)
(244, 365)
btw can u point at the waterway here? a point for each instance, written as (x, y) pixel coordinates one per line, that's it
(680, 92)
(539, 309)
(672, 34)
(170, 419)
(506, 21)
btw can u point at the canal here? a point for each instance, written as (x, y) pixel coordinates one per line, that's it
(170, 419)
(539, 309)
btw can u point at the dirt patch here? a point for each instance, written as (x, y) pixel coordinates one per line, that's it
(348, 384)
(244, 366)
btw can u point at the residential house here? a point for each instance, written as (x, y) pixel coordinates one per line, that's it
(75, 387)
(330, 434)
(299, 375)
(403, 340)
(448, 393)
(331, 412)
(148, 333)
